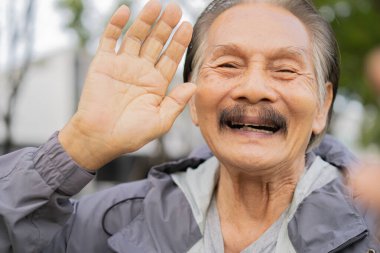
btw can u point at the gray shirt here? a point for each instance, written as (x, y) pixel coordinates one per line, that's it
(213, 237)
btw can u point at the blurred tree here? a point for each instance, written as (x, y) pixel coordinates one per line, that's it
(76, 9)
(357, 27)
(356, 24)
(21, 36)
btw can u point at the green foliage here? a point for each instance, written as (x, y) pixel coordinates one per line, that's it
(357, 28)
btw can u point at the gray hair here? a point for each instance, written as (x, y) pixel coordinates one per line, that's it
(325, 50)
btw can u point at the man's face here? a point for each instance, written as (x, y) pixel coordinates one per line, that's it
(256, 102)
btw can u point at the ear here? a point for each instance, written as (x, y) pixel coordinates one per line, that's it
(193, 111)
(320, 120)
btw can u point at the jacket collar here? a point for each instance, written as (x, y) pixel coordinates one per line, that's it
(314, 230)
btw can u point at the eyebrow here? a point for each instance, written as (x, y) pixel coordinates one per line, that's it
(295, 53)
(228, 49)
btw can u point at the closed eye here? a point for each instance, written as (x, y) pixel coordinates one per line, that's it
(226, 65)
(286, 71)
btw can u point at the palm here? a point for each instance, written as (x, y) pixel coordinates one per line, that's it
(127, 98)
(132, 71)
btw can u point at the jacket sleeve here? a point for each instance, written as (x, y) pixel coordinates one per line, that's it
(35, 187)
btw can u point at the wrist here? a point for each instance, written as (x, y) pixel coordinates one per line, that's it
(84, 149)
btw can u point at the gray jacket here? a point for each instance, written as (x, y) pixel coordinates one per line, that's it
(157, 214)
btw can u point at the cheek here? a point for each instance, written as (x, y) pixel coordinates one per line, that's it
(204, 102)
(210, 94)
(303, 106)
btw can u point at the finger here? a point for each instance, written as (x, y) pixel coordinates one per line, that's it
(174, 103)
(140, 28)
(113, 30)
(169, 61)
(155, 42)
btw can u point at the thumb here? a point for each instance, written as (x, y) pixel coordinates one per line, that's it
(174, 103)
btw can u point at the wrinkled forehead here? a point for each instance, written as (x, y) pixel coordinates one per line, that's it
(259, 27)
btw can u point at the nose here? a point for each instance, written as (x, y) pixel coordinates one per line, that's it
(254, 87)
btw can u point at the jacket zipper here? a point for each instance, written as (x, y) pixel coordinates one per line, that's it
(350, 242)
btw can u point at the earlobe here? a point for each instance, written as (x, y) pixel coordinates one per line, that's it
(193, 111)
(320, 121)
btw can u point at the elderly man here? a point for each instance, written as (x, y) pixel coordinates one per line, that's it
(266, 73)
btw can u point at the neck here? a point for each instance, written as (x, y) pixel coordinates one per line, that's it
(248, 205)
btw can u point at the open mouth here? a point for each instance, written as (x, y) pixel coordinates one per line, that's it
(263, 119)
(260, 128)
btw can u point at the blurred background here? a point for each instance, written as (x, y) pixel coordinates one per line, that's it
(47, 45)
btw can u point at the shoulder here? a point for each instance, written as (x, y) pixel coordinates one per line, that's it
(337, 222)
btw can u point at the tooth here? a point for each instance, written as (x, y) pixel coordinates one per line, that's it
(246, 128)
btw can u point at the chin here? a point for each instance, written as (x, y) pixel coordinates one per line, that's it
(251, 160)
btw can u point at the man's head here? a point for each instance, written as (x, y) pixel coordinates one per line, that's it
(325, 53)
(267, 72)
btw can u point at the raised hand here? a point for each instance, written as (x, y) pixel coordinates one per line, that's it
(124, 103)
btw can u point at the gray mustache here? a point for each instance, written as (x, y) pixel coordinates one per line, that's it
(265, 113)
